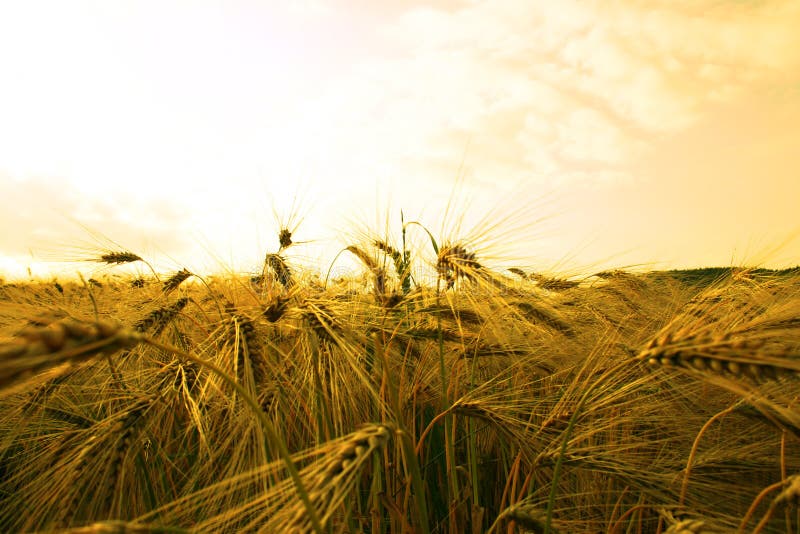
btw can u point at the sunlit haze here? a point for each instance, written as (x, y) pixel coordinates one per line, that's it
(657, 133)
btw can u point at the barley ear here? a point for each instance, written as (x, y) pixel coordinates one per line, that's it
(66, 341)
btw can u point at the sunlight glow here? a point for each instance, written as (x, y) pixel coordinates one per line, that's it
(657, 135)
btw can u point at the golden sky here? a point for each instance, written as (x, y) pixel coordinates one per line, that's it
(664, 133)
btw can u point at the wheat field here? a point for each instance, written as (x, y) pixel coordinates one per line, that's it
(482, 400)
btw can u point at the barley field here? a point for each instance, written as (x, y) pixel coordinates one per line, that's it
(476, 400)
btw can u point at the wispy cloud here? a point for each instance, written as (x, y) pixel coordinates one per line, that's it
(563, 89)
(43, 218)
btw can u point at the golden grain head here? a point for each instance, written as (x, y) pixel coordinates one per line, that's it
(37, 349)
(280, 268)
(176, 280)
(119, 257)
(285, 238)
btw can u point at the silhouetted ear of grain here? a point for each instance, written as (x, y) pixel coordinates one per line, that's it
(392, 252)
(285, 238)
(365, 258)
(278, 266)
(138, 283)
(519, 272)
(119, 257)
(455, 262)
(322, 322)
(175, 280)
(378, 274)
(37, 349)
(553, 284)
(158, 319)
(379, 286)
(400, 265)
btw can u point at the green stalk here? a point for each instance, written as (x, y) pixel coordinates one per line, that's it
(416, 480)
(430, 235)
(452, 475)
(405, 275)
(472, 448)
(376, 489)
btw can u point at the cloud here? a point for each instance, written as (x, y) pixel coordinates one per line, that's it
(44, 217)
(561, 87)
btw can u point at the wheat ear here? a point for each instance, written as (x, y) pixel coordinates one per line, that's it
(66, 341)
(159, 318)
(527, 516)
(175, 280)
(330, 482)
(280, 268)
(119, 257)
(717, 355)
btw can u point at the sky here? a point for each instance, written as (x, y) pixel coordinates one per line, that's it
(572, 135)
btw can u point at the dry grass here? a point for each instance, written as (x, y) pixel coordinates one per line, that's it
(626, 403)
